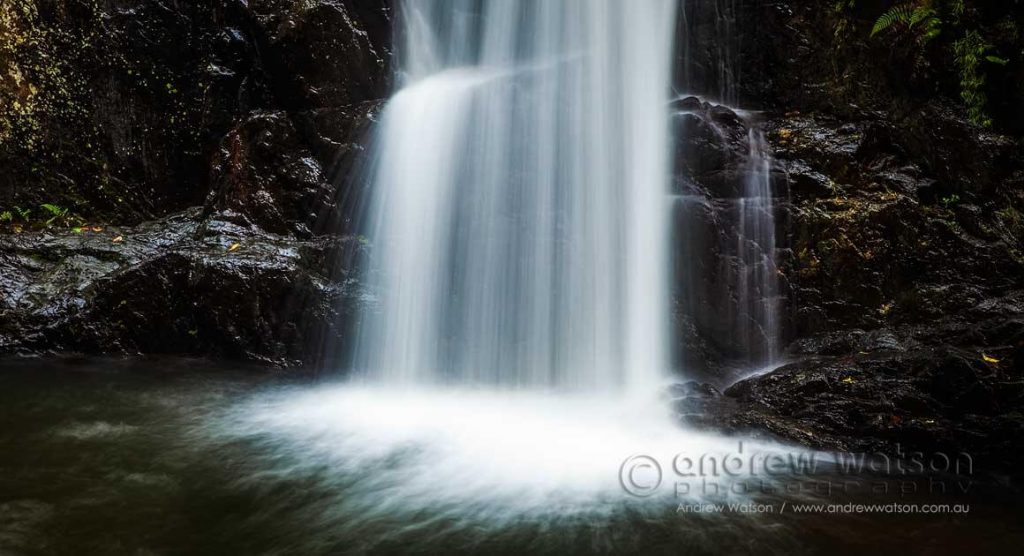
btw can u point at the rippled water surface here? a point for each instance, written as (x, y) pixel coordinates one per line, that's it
(174, 456)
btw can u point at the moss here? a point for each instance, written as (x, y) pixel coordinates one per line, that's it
(41, 94)
(101, 111)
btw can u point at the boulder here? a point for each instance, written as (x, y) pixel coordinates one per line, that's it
(180, 285)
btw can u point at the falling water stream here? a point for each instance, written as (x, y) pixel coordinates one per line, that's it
(756, 276)
(519, 231)
(521, 217)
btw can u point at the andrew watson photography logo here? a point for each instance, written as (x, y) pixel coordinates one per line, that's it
(774, 472)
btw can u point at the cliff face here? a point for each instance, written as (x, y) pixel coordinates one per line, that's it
(126, 110)
(893, 210)
(116, 113)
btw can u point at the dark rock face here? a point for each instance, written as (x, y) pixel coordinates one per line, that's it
(899, 233)
(237, 125)
(932, 400)
(897, 245)
(266, 174)
(712, 168)
(121, 111)
(711, 154)
(325, 53)
(180, 285)
(721, 53)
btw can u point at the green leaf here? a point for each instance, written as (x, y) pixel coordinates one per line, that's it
(997, 60)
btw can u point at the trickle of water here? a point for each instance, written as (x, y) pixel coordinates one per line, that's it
(757, 286)
(520, 219)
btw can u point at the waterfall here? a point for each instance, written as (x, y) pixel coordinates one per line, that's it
(757, 283)
(520, 214)
(729, 302)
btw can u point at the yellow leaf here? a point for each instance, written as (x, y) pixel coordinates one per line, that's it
(234, 247)
(847, 380)
(97, 229)
(118, 239)
(988, 359)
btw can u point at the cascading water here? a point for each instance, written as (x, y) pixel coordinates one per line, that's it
(521, 212)
(757, 283)
(519, 235)
(726, 170)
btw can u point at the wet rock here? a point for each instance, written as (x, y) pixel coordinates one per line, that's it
(874, 253)
(932, 400)
(179, 285)
(693, 389)
(263, 173)
(326, 53)
(721, 52)
(712, 147)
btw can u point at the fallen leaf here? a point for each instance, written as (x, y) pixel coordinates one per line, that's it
(988, 359)
(97, 229)
(847, 380)
(234, 247)
(118, 239)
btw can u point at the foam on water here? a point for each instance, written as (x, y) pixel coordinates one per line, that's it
(493, 454)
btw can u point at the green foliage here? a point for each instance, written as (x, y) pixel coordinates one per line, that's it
(924, 20)
(950, 201)
(897, 14)
(50, 214)
(56, 212)
(970, 52)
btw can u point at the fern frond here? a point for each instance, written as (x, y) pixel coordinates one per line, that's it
(899, 14)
